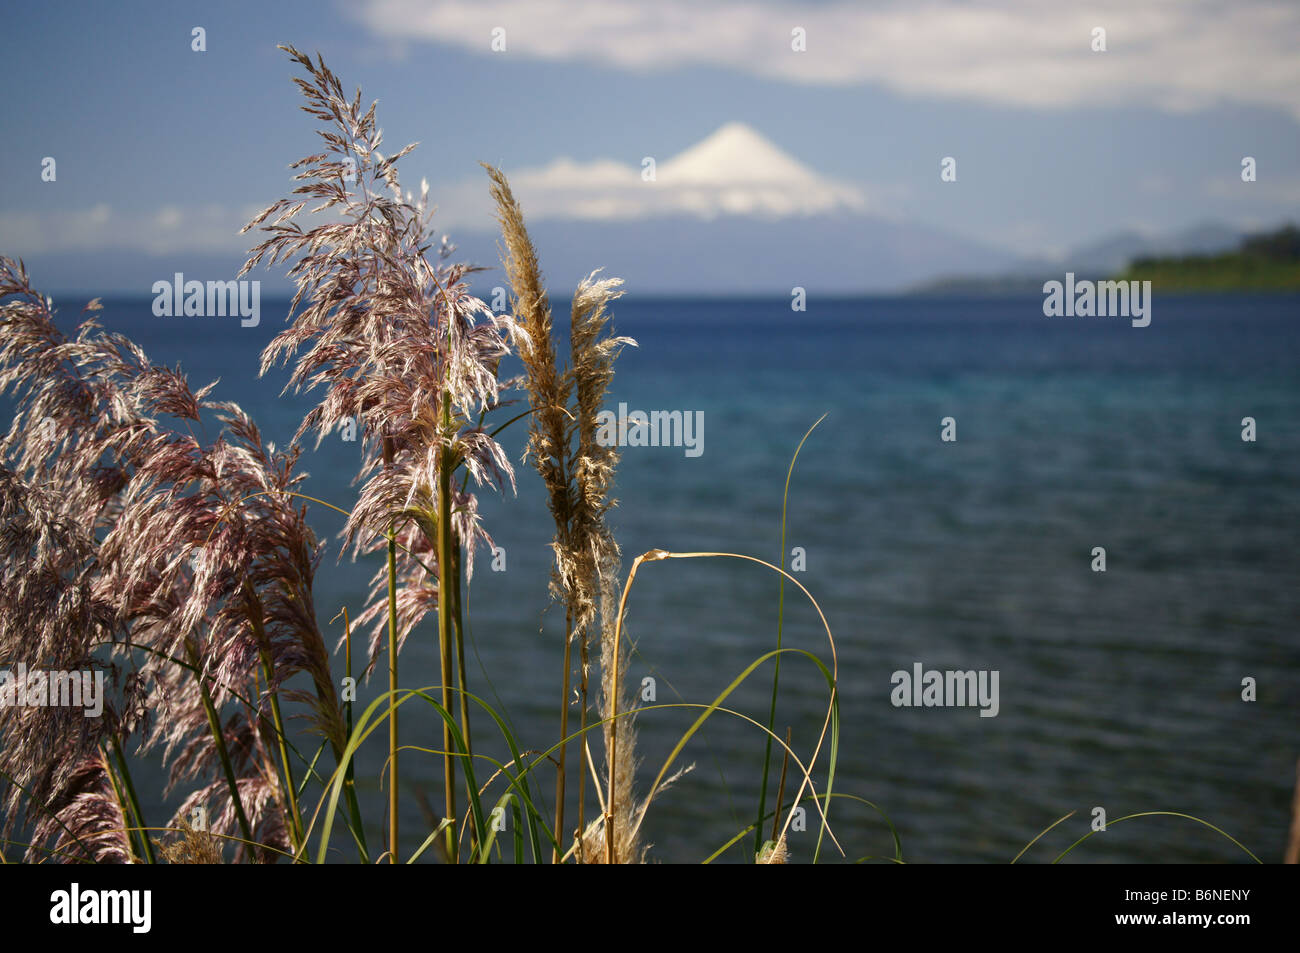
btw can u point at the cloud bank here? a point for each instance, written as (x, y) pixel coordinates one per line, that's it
(1177, 55)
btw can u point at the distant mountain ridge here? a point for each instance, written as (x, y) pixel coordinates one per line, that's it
(732, 214)
(1101, 258)
(840, 252)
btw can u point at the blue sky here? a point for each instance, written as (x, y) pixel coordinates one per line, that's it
(160, 148)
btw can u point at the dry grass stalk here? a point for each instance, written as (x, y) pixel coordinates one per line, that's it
(404, 352)
(548, 430)
(190, 846)
(595, 555)
(578, 473)
(396, 341)
(774, 852)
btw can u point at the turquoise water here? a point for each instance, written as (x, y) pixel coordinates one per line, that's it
(1119, 689)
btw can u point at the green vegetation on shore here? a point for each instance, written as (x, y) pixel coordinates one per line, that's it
(1265, 262)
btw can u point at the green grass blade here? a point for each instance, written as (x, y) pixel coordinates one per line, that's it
(780, 628)
(1158, 814)
(430, 840)
(1040, 834)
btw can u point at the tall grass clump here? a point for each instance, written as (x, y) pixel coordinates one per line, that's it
(177, 565)
(578, 471)
(149, 535)
(397, 343)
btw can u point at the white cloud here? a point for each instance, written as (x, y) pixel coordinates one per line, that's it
(1177, 55)
(208, 228)
(1281, 192)
(169, 217)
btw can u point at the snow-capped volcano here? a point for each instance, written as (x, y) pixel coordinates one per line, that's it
(734, 154)
(732, 171)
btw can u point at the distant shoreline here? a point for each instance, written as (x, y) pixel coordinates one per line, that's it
(1267, 262)
(1263, 263)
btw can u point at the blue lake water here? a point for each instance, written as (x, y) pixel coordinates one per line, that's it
(1119, 689)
